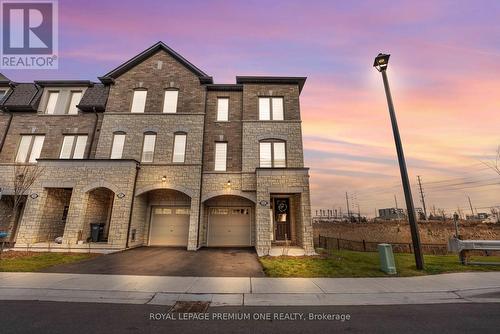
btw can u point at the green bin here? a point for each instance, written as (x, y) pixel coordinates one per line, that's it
(387, 263)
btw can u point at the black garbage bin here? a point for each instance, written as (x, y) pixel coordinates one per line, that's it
(96, 231)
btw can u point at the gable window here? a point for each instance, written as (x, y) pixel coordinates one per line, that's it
(220, 156)
(2, 93)
(271, 109)
(52, 98)
(30, 148)
(272, 154)
(222, 109)
(170, 101)
(117, 146)
(139, 101)
(148, 147)
(179, 147)
(74, 100)
(73, 147)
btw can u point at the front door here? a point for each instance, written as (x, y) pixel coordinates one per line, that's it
(282, 219)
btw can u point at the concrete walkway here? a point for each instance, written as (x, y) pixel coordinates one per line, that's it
(251, 291)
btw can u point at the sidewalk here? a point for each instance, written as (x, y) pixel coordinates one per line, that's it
(235, 291)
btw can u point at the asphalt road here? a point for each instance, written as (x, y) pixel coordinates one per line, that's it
(58, 317)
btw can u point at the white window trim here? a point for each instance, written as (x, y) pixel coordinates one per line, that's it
(271, 114)
(146, 135)
(138, 107)
(170, 106)
(72, 105)
(179, 157)
(33, 149)
(222, 114)
(115, 152)
(220, 160)
(52, 110)
(272, 162)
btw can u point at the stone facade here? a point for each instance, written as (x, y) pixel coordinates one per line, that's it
(121, 193)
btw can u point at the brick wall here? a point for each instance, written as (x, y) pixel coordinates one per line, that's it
(290, 94)
(53, 126)
(231, 131)
(147, 75)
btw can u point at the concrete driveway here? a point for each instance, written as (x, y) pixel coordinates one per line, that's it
(166, 261)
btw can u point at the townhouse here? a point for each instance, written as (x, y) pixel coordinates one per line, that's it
(154, 154)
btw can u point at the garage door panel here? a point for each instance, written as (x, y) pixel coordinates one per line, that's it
(229, 227)
(169, 227)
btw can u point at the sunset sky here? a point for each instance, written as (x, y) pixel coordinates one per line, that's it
(444, 73)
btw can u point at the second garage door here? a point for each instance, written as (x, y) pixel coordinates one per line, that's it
(169, 226)
(229, 227)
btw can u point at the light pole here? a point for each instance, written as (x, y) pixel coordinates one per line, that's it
(380, 64)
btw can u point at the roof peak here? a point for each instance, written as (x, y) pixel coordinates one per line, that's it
(115, 73)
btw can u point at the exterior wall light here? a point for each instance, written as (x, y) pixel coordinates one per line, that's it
(229, 183)
(34, 196)
(163, 178)
(120, 195)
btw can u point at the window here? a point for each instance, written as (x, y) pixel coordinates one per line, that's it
(272, 154)
(170, 101)
(117, 147)
(222, 109)
(51, 102)
(139, 101)
(2, 93)
(148, 147)
(30, 148)
(74, 99)
(271, 108)
(179, 147)
(73, 147)
(220, 156)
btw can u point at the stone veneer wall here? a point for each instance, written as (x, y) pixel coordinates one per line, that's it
(81, 176)
(51, 224)
(99, 209)
(283, 181)
(183, 178)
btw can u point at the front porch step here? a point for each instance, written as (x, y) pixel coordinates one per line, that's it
(286, 251)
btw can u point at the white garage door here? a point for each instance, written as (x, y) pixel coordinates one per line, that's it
(229, 227)
(169, 226)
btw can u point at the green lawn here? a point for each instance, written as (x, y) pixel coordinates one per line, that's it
(30, 261)
(366, 264)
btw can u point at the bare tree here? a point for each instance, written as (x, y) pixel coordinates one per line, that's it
(24, 178)
(495, 163)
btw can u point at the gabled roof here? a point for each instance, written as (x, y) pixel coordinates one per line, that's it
(110, 76)
(4, 80)
(63, 83)
(300, 81)
(95, 98)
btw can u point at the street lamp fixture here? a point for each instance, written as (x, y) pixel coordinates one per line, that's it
(380, 63)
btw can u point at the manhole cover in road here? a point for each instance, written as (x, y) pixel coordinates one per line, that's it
(190, 307)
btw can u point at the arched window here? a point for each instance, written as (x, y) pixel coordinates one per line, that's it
(272, 153)
(117, 145)
(179, 152)
(148, 147)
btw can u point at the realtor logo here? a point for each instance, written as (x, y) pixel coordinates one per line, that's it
(29, 34)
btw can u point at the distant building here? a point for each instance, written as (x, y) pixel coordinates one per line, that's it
(391, 213)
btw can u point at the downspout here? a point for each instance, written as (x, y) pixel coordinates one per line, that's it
(93, 133)
(132, 203)
(201, 176)
(4, 136)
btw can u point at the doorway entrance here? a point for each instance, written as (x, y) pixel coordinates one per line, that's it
(282, 219)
